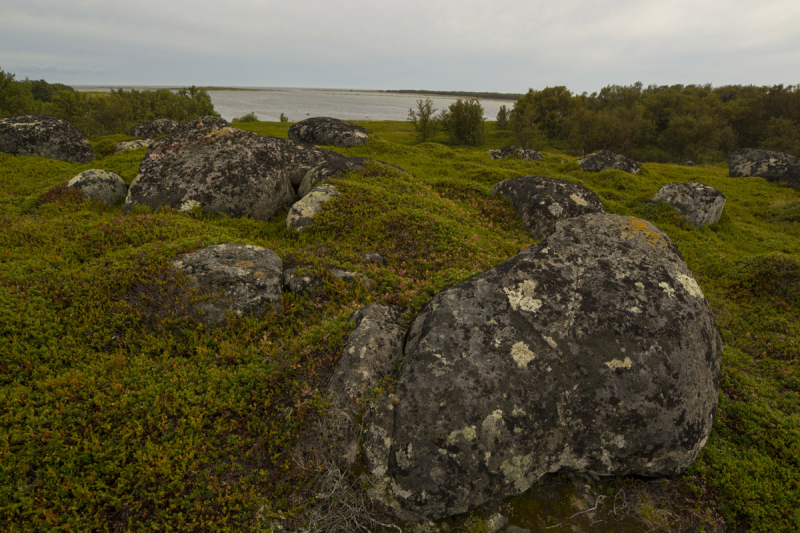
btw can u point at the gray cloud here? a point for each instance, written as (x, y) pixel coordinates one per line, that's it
(506, 45)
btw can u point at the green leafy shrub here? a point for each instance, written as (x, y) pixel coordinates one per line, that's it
(249, 117)
(502, 118)
(465, 123)
(424, 120)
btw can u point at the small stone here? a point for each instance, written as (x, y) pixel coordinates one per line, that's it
(495, 523)
(687, 164)
(373, 257)
(101, 185)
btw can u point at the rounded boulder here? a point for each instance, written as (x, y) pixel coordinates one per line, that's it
(154, 128)
(328, 131)
(44, 136)
(605, 160)
(101, 185)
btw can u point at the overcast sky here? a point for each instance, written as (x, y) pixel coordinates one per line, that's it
(501, 45)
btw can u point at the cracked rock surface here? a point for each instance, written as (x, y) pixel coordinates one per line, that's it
(594, 350)
(154, 128)
(100, 185)
(605, 160)
(698, 203)
(517, 152)
(541, 202)
(328, 131)
(239, 279)
(44, 136)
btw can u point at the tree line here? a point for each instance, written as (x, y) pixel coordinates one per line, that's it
(97, 114)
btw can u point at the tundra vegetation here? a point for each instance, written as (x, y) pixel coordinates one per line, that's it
(120, 410)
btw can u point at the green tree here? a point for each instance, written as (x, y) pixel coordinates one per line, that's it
(502, 118)
(425, 122)
(523, 126)
(465, 123)
(16, 97)
(782, 135)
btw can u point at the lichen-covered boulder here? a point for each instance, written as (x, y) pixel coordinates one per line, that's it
(44, 136)
(154, 128)
(516, 152)
(328, 131)
(373, 349)
(792, 175)
(202, 123)
(594, 350)
(302, 213)
(238, 279)
(605, 160)
(541, 202)
(299, 158)
(132, 145)
(698, 203)
(761, 163)
(100, 185)
(221, 170)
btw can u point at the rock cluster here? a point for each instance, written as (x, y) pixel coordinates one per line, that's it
(541, 202)
(100, 185)
(605, 160)
(698, 203)
(328, 131)
(594, 350)
(516, 152)
(44, 136)
(154, 128)
(774, 166)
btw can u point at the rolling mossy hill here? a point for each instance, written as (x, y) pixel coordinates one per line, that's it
(120, 410)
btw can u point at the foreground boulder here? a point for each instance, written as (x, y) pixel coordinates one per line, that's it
(44, 136)
(774, 166)
(328, 131)
(516, 152)
(605, 160)
(594, 350)
(698, 203)
(373, 349)
(221, 170)
(541, 202)
(302, 213)
(154, 128)
(101, 185)
(132, 145)
(238, 279)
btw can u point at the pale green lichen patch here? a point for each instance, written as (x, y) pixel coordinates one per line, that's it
(691, 286)
(523, 297)
(189, 205)
(578, 200)
(516, 471)
(614, 364)
(669, 291)
(522, 354)
(468, 434)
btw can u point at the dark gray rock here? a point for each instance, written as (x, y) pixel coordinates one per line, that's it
(238, 279)
(541, 202)
(132, 145)
(302, 213)
(594, 350)
(100, 185)
(372, 257)
(44, 136)
(698, 203)
(334, 168)
(328, 131)
(774, 166)
(687, 164)
(605, 160)
(372, 351)
(154, 128)
(202, 123)
(299, 158)
(222, 170)
(516, 152)
(306, 279)
(792, 175)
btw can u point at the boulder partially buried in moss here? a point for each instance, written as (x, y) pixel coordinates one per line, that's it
(774, 166)
(605, 160)
(594, 350)
(541, 201)
(235, 279)
(328, 131)
(219, 170)
(302, 213)
(44, 136)
(132, 145)
(516, 152)
(101, 185)
(699, 204)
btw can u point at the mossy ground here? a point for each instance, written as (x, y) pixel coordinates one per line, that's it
(121, 411)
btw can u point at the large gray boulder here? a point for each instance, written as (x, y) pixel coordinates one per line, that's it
(101, 185)
(541, 202)
(299, 158)
(372, 351)
(236, 278)
(328, 131)
(774, 166)
(516, 152)
(605, 160)
(302, 213)
(44, 136)
(154, 128)
(594, 350)
(221, 170)
(698, 203)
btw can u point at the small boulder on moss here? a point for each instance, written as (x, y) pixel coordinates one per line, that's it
(101, 185)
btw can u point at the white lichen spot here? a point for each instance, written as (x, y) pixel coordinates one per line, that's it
(578, 200)
(523, 297)
(691, 286)
(522, 354)
(550, 341)
(555, 209)
(616, 363)
(669, 291)
(619, 441)
(516, 471)
(468, 434)
(517, 430)
(635, 310)
(639, 285)
(486, 457)
(188, 205)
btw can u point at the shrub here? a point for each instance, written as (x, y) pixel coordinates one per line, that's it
(502, 118)
(523, 126)
(250, 117)
(465, 122)
(425, 123)
(284, 118)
